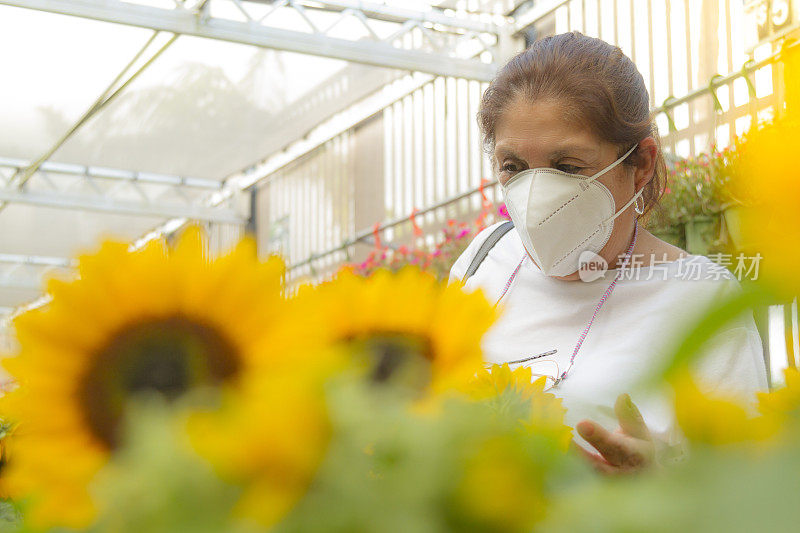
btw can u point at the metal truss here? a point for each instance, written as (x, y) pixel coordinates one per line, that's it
(25, 272)
(436, 42)
(107, 190)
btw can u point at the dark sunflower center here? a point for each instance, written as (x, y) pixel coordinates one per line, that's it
(395, 357)
(5, 430)
(168, 356)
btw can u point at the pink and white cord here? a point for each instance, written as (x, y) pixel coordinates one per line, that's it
(603, 299)
(511, 279)
(606, 294)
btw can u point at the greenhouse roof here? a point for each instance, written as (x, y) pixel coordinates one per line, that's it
(129, 118)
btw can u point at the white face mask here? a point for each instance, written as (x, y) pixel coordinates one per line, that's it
(560, 215)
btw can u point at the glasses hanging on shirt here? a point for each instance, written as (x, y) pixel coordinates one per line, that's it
(546, 368)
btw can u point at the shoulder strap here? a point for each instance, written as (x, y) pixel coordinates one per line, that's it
(487, 245)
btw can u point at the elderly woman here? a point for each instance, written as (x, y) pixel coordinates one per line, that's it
(591, 299)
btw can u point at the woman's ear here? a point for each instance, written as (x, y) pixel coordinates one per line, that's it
(646, 156)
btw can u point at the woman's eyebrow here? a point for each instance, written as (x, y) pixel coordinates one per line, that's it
(573, 150)
(503, 151)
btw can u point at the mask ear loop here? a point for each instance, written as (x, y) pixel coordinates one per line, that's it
(612, 165)
(626, 206)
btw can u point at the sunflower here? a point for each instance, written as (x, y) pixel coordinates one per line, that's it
(770, 177)
(785, 400)
(501, 487)
(269, 436)
(546, 410)
(717, 420)
(159, 319)
(406, 327)
(6, 429)
(500, 379)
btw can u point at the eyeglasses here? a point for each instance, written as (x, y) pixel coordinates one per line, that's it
(546, 368)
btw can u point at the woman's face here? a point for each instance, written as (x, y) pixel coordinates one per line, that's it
(540, 134)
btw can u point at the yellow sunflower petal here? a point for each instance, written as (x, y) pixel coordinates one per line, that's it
(102, 338)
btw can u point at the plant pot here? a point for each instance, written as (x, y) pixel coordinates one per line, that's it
(700, 234)
(674, 235)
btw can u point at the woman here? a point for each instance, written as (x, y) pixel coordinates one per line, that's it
(568, 127)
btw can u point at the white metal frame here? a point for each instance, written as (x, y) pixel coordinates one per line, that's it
(107, 190)
(438, 54)
(25, 272)
(434, 42)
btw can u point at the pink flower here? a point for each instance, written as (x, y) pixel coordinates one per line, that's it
(503, 211)
(463, 234)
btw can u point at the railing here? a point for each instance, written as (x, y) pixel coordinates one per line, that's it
(423, 155)
(431, 155)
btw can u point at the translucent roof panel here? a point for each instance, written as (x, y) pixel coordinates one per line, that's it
(53, 69)
(62, 232)
(204, 108)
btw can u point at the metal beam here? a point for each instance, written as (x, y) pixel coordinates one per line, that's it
(25, 272)
(58, 177)
(54, 168)
(471, 32)
(391, 13)
(185, 22)
(37, 260)
(106, 205)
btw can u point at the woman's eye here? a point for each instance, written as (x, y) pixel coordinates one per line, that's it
(569, 169)
(510, 167)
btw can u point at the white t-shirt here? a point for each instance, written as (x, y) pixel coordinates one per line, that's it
(649, 309)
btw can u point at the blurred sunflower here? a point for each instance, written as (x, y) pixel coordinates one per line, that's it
(785, 400)
(406, 327)
(269, 436)
(5, 436)
(501, 487)
(157, 319)
(546, 417)
(500, 379)
(717, 421)
(771, 179)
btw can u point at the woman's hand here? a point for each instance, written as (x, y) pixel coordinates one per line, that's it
(629, 449)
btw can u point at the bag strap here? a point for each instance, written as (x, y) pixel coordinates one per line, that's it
(487, 245)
